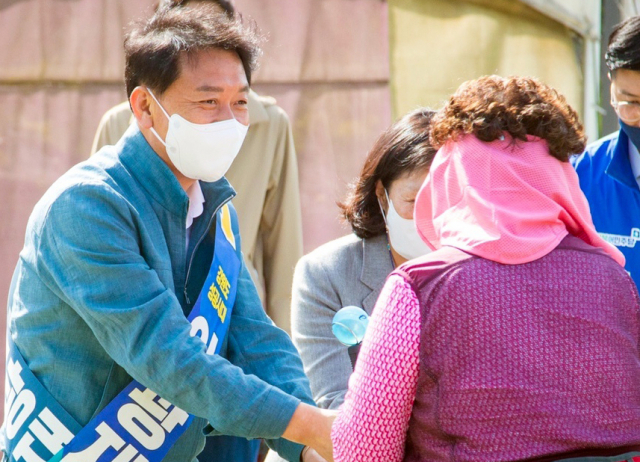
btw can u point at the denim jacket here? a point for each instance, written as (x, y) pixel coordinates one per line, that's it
(100, 294)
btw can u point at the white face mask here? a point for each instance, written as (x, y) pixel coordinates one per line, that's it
(202, 151)
(403, 236)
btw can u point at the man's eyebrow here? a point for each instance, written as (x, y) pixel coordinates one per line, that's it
(209, 88)
(627, 93)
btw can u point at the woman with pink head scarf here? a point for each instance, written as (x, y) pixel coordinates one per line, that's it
(517, 338)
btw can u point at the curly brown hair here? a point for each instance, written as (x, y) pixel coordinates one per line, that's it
(403, 148)
(492, 105)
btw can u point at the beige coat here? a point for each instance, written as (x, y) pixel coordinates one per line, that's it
(265, 176)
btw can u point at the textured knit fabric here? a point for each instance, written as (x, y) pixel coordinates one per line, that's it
(348, 271)
(509, 201)
(375, 416)
(515, 361)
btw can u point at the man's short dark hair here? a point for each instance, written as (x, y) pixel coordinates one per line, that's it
(154, 47)
(226, 5)
(623, 51)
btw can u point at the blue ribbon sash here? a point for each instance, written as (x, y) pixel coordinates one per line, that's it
(137, 425)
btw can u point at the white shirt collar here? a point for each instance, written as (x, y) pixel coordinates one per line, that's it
(196, 203)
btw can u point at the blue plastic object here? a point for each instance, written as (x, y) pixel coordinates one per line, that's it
(349, 325)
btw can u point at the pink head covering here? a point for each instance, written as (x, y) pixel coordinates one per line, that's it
(507, 201)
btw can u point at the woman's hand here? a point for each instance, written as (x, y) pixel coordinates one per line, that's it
(312, 427)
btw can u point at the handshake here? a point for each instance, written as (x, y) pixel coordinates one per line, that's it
(311, 426)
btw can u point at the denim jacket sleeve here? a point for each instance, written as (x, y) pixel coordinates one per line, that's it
(88, 254)
(262, 349)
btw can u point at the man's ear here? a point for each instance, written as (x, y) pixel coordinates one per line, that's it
(140, 100)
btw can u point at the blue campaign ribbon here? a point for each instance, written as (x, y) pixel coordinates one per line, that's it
(215, 302)
(137, 425)
(35, 422)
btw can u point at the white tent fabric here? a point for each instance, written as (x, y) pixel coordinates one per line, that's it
(438, 44)
(583, 17)
(629, 7)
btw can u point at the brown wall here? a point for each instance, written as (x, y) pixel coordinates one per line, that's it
(326, 62)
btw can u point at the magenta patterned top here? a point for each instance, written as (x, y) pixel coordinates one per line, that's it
(374, 419)
(470, 360)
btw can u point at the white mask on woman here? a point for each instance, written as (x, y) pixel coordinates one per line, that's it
(202, 151)
(403, 235)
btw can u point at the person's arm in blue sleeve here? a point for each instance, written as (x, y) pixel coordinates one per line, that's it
(262, 349)
(89, 255)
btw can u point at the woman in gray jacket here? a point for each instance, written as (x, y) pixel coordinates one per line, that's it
(351, 270)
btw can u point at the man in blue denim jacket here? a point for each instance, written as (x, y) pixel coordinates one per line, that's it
(117, 251)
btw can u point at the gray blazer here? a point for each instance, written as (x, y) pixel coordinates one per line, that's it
(343, 272)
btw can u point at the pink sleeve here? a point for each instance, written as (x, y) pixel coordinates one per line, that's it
(373, 421)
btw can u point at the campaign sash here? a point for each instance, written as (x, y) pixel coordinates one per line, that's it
(137, 425)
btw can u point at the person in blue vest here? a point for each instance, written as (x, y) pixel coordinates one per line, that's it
(609, 169)
(134, 328)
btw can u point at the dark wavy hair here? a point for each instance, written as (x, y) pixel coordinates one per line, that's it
(491, 106)
(402, 148)
(154, 47)
(623, 49)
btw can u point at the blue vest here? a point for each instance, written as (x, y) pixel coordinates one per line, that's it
(608, 182)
